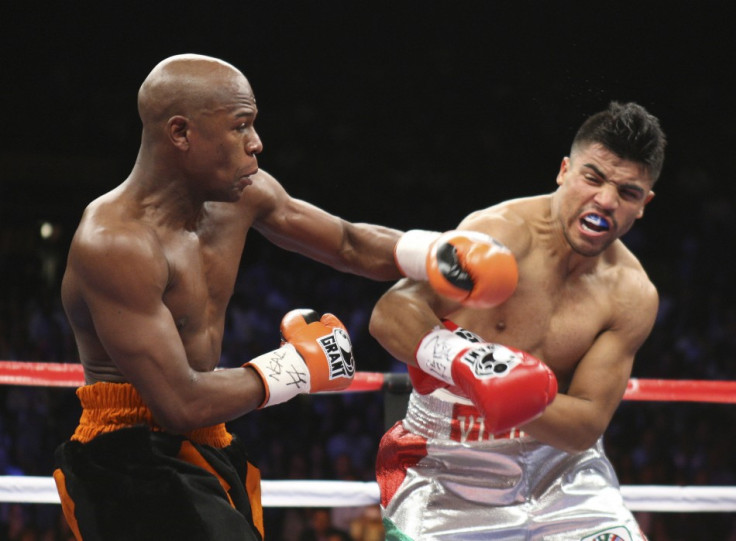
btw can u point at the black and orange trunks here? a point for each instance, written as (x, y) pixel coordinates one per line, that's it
(122, 477)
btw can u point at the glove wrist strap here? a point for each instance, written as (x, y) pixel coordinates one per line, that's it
(284, 374)
(437, 351)
(410, 253)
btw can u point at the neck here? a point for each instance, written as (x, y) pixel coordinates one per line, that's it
(163, 194)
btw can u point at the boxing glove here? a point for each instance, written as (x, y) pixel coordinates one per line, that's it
(421, 381)
(508, 386)
(467, 266)
(315, 355)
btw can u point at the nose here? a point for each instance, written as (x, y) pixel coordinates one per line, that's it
(254, 145)
(607, 196)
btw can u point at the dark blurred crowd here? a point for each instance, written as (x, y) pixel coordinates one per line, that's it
(334, 437)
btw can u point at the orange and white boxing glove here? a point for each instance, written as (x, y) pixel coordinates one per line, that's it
(508, 386)
(315, 355)
(466, 266)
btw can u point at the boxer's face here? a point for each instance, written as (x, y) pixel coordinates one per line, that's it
(225, 142)
(600, 196)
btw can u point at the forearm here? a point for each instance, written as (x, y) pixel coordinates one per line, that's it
(569, 423)
(368, 250)
(400, 320)
(203, 398)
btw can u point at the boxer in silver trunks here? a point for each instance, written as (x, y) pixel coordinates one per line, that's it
(443, 477)
(583, 306)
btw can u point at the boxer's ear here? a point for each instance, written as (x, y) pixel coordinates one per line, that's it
(178, 131)
(647, 199)
(564, 168)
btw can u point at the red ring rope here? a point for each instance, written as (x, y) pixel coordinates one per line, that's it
(71, 375)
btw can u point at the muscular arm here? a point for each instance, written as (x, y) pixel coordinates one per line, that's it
(295, 225)
(577, 418)
(120, 280)
(404, 314)
(410, 309)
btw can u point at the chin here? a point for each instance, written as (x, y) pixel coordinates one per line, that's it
(233, 195)
(588, 250)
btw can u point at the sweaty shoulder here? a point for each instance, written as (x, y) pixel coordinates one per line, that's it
(633, 294)
(264, 194)
(510, 222)
(111, 244)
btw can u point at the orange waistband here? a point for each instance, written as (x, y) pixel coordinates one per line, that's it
(111, 406)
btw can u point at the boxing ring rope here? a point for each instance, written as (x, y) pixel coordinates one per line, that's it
(655, 498)
(662, 390)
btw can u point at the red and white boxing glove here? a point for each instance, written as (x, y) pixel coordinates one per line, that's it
(421, 381)
(315, 355)
(466, 266)
(508, 386)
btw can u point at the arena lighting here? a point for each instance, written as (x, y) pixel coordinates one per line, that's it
(47, 230)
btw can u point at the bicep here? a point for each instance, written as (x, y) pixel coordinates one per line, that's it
(601, 377)
(299, 226)
(123, 290)
(607, 365)
(404, 314)
(140, 337)
(578, 417)
(603, 374)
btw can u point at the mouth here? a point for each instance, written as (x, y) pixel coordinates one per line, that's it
(594, 223)
(246, 179)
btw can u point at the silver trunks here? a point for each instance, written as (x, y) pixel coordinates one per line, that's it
(466, 486)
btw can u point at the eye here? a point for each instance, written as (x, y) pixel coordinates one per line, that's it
(631, 195)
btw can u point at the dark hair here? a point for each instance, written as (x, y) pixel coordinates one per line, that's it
(628, 131)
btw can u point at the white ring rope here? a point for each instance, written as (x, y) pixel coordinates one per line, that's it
(658, 498)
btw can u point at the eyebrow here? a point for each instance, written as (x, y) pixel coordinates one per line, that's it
(628, 186)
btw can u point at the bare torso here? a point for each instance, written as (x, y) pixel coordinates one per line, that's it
(201, 267)
(556, 312)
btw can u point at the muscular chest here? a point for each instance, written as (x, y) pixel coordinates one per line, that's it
(553, 319)
(203, 270)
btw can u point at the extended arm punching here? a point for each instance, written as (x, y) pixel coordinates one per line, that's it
(468, 267)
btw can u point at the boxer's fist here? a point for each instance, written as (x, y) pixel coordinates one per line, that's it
(509, 387)
(466, 266)
(422, 382)
(316, 355)
(324, 344)
(472, 268)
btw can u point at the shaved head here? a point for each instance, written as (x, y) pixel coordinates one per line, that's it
(186, 85)
(198, 114)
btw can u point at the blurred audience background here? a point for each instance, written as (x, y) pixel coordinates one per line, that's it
(405, 114)
(335, 437)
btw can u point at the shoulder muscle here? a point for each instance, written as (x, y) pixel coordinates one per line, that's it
(123, 263)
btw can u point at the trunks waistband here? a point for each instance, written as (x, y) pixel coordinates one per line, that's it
(107, 407)
(444, 416)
